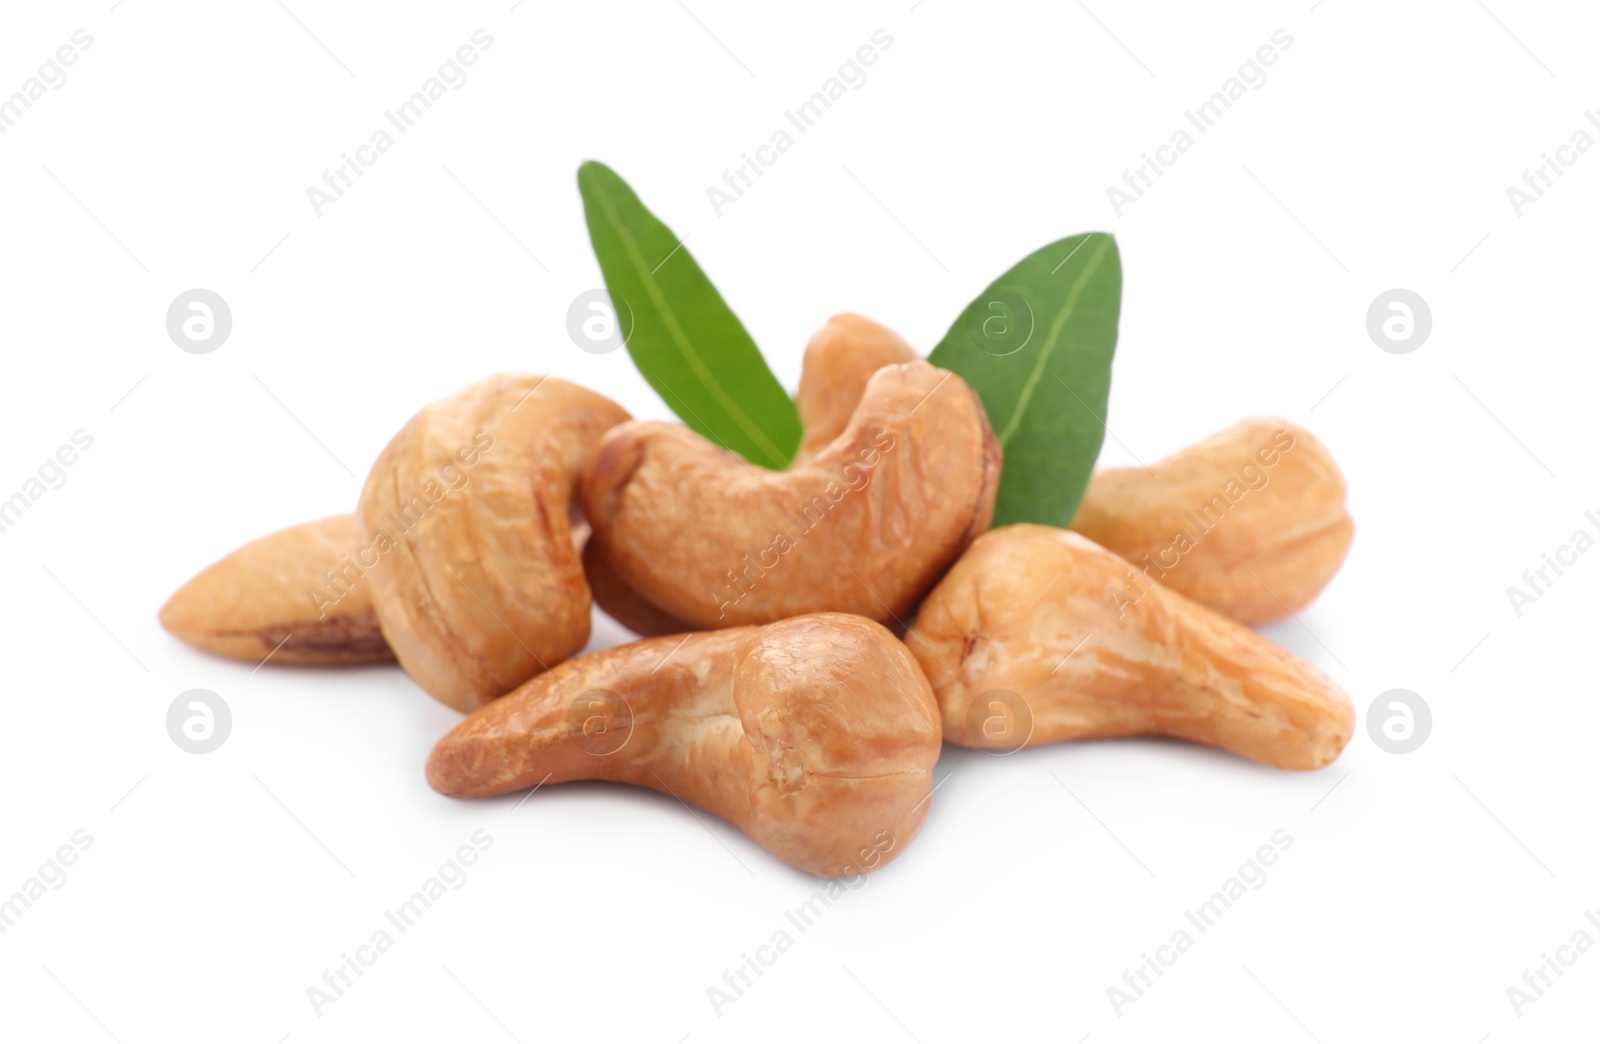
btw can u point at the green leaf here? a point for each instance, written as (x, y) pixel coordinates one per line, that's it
(1036, 346)
(683, 336)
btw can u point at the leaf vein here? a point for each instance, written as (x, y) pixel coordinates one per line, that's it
(1090, 267)
(680, 339)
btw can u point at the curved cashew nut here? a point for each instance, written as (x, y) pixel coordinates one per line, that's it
(816, 736)
(865, 527)
(480, 585)
(839, 360)
(291, 595)
(1251, 521)
(1037, 635)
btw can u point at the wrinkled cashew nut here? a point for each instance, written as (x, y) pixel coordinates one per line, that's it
(865, 527)
(480, 585)
(1034, 638)
(816, 736)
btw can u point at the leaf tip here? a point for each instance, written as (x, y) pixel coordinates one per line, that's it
(591, 169)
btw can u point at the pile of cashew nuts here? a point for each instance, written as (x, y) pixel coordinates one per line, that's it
(810, 636)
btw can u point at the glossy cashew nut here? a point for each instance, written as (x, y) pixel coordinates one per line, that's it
(816, 736)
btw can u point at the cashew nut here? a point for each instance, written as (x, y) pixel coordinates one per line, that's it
(839, 360)
(864, 527)
(1038, 635)
(816, 735)
(289, 595)
(622, 601)
(1250, 521)
(480, 585)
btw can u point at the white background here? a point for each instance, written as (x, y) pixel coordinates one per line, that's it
(1376, 155)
